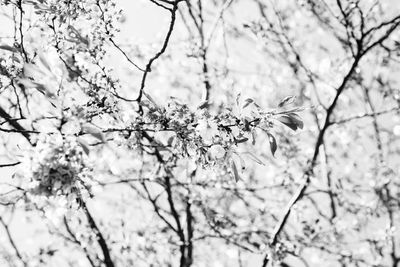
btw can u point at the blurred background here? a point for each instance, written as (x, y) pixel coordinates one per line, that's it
(70, 64)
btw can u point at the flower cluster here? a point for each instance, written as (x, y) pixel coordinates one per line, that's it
(209, 139)
(59, 168)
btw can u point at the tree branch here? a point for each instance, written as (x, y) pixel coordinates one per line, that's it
(12, 242)
(157, 55)
(99, 236)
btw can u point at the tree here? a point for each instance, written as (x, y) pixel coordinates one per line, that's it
(252, 133)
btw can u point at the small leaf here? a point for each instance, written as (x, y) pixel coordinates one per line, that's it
(203, 105)
(255, 104)
(151, 99)
(297, 119)
(8, 48)
(248, 101)
(241, 140)
(272, 143)
(93, 131)
(170, 140)
(288, 121)
(246, 122)
(253, 138)
(84, 145)
(286, 101)
(235, 171)
(291, 120)
(237, 99)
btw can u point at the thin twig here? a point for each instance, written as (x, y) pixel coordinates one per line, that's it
(157, 55)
